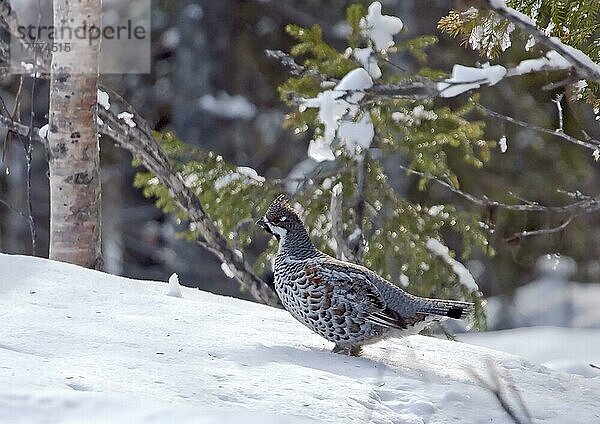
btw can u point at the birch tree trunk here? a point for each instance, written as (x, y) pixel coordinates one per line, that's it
(75, 225)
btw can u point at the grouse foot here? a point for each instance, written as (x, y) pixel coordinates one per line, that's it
(345, 350)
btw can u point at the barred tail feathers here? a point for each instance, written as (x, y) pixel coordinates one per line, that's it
(446, 308)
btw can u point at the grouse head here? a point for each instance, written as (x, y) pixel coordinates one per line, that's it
(281, 219)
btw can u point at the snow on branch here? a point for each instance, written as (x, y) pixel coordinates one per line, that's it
(582, 63)
(463, 79)
(464, 276)
(421, 88)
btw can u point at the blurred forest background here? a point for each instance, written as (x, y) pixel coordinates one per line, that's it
(213, 86)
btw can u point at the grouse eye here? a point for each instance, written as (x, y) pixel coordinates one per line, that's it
(278, 219)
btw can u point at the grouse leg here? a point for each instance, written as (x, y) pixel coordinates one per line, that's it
(350, 351)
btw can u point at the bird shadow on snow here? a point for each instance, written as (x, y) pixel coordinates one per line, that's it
(319, 359)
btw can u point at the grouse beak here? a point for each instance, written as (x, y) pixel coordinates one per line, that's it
(262, 222)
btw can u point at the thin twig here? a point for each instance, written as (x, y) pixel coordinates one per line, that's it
(449, 335)
(357, 244)
(497, 387)
(13, 209)
(15, 115)
(516, 237)
(588, 204)
(560, 134)
(28, 147)
(294, 68)
(557, 101)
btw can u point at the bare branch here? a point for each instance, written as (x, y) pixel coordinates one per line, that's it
(449, 335)
(356, 239)
(293, 67)
(583, 65)
(28, 149)
(559, 84)
(557, 101)
(586, 205)
(561, 134)
(517, 237)
(422, 89)
(19, 128)
(13, 209)
(144, 147)
(10, 21)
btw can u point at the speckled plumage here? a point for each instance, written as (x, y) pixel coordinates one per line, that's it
(343, 302)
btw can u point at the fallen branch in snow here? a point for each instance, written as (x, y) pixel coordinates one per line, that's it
(590, 144)
(501, 388)
(583, 65)
(595, 366)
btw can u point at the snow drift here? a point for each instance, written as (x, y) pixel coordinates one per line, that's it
(81, 346)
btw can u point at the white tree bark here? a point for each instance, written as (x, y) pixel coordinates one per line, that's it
(74, 156)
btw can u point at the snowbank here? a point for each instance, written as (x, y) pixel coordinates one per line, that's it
(547, 302)
(563, 349)
(82, 346)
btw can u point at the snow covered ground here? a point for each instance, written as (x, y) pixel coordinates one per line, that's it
(82, 346)
(571, 350)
